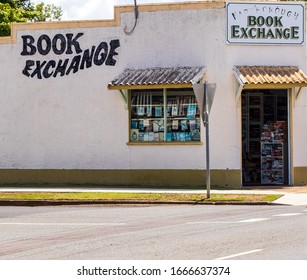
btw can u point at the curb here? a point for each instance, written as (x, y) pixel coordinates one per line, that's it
(37, 203)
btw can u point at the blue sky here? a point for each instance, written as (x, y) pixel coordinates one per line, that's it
(94, 9)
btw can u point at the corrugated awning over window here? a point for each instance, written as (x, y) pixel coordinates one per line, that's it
(270, 76)
(149, 78)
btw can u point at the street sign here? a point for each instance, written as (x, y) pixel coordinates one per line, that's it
(204, 95)
(199, 91)
(211, 88)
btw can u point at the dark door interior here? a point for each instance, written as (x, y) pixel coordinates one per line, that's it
(264, 137)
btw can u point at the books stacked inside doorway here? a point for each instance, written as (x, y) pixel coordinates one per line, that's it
(272, 153)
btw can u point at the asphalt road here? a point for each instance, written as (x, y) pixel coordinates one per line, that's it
(154, 232)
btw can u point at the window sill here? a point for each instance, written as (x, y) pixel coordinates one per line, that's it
(173, 143)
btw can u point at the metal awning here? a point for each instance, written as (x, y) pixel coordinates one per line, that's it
(268, 77)
(150, 78)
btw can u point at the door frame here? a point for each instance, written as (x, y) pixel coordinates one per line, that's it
(290, 104)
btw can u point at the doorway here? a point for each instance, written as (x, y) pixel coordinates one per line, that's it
(265, 126)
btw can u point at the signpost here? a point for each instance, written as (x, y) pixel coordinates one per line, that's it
(204, 95)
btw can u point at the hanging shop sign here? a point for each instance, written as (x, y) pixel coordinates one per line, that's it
(265, 23)
(68, 55)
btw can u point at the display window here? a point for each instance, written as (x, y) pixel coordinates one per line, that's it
(164, 115)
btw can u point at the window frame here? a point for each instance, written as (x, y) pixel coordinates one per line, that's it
(166, 94)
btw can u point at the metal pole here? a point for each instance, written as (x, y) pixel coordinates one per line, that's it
(207, 155)
(206, 123)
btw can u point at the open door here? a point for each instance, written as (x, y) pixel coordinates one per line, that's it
(265, 127)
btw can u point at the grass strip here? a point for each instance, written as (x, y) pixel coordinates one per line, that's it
(155, 197)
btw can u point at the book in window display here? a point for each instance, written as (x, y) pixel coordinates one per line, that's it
(151, 136)
(158, 111)
(174, 110)
(184, 125)
(174, 136)
(192, 124)
(188, 136)
(191, 112)
(198, 123)
(141, 125)
(158, 125)
(175, 124)
(161, 136)
(140, 107)
(146, 137)
(134, 134)
(141, 111)
(141, 137)
(149, 105)
(156, 136)
(195, 135)
(182, 136)
(134, 124)
(169, 136)
(148, 125)
(181, 106)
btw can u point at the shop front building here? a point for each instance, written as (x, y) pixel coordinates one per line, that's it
(112, 102)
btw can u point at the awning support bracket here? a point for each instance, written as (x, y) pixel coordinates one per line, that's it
(124, 95)
(238, 94)
(298, 92)
(240, 85)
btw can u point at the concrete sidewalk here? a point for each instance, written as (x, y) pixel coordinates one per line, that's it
(291, 195)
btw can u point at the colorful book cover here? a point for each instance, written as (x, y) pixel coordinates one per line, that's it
(141, 125)
(182, 136)
(198, 123)
(158, 125)
(195, 135)
(174, 136)
(134, 124)
(149, 111)
(151, 136)
(184, 125)
(161, 136)
(169, 136)
(134, 134)
(174, 110)
(141, 111)
(158, 111)
(175, 124)
(192, 124)
(188, 136)
(146, 136)
(191, 112)
(146, 122)
(141, 136)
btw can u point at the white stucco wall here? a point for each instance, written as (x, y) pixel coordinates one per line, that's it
(75, 122)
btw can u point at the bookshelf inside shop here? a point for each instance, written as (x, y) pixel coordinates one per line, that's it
(264, 139)
(252, 119)
(151, 110)
(272, 153)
